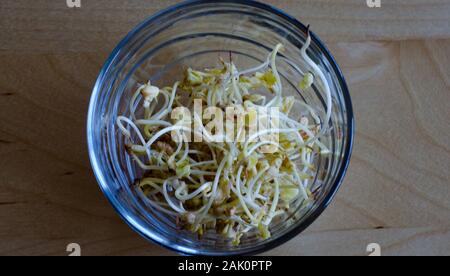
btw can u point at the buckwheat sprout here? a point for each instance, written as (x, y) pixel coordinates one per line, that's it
(204, 173)
(127, 133)
(153, 123)
(256, 194)
(322, 77)
(269, 131)
(260, 144)
(164, 131)
(155, 205)
(303, 157)
(301, 186)
(310, 110)
(238, 220)
(252, 182)
(237, 191)
(169, 200)
(171, 160)
(275, 70)
(308, 161)
(167, 108)
(236, 89)
(149, 111)
(133, 100)
(278, 85)
(160, 203)
(297, 126)
(291, 63)
(186, 149)
(294, 156)
(288, 120)
(255, 69)
(260, 67)
(182, 195)
(273, 207)
(323, 148)
(195, 183)
(214, 188)
(147, 167)
(211, 94)
(197, 152)
(151, 182)
(236, 186)
(204, 163)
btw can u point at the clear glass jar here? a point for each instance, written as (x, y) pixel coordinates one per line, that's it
(195, 34)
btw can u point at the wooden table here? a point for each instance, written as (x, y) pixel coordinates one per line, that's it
(396, 59)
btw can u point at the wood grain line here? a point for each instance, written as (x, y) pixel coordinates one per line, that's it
(407, 240)
(58, 71)
(359, 210)
(36, 147)
(403, 185)
(398, 157)
(422, 130)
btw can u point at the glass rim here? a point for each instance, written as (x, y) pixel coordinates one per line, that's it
(131, 220)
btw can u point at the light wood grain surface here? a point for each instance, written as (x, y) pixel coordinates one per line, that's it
(396, 193)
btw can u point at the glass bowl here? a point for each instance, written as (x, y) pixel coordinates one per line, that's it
(196, 34)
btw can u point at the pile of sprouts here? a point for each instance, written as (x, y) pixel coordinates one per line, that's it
(231, 187)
